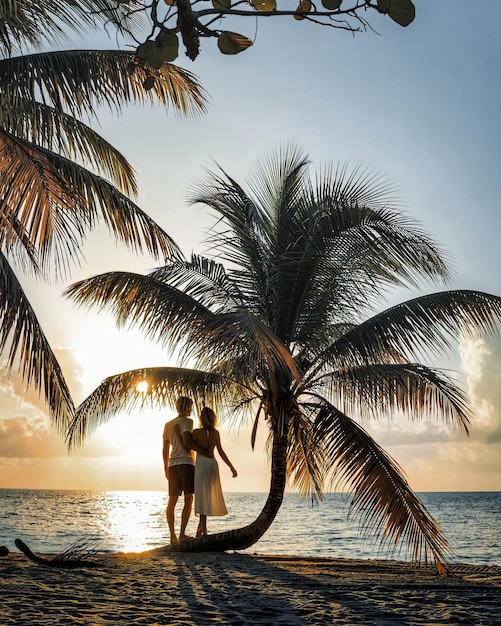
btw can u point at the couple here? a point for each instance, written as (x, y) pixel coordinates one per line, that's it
(202, 479)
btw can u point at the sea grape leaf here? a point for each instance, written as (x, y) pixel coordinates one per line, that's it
(145, 50)
(149, 83)
(166, 46)
(232, 43)
(223, 5)
(383, 6)
(402, 12)
(304, 6)
(155, 62)
(332, 5)
(264, 5)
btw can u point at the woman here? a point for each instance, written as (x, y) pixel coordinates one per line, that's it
(209, 498)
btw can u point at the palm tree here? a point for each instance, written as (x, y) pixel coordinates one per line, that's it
(48, 198)
(280, 323)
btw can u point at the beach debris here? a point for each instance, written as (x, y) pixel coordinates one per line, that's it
(74, 556)
(4, 550)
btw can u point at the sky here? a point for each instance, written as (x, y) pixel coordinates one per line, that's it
(421, 105)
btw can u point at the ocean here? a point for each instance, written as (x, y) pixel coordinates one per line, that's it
(49, 521)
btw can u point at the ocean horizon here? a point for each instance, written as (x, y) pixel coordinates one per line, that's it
(51, 520)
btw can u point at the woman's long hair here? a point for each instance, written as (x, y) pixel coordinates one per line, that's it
(208, 419)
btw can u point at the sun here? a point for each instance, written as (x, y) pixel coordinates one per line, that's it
(142, 386)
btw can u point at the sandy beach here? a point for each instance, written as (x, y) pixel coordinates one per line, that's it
(240, 589)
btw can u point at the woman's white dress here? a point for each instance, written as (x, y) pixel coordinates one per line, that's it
(209, 498)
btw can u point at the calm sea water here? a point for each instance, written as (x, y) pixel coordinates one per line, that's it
(133, 521)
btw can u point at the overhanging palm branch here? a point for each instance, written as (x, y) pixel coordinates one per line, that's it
(36, 203)
(68, 136)
(382, 501)
(427, 324)
(121, 393)
(383, 389)
(54, 201)
(75, 83)
(28, 344)
(124, 219)
(79, 81)
(47, 201)
(172, 317)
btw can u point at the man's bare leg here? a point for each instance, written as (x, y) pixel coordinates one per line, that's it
(171, 505)
(185, 515)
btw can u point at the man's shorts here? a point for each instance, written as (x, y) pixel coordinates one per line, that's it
(181, 479)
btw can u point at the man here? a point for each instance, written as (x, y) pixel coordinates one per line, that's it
(179, 463)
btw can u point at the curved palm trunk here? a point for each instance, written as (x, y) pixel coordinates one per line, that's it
(244, 537)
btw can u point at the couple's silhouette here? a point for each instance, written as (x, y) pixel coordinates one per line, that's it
(188, 476)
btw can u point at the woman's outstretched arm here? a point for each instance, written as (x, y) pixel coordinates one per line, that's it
(223, 455)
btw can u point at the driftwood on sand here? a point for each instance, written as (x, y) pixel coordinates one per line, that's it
(74, 556)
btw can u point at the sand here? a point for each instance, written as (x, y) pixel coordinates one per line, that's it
(241, 589)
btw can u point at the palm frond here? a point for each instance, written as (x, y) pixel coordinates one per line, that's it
(173, 317)
(383, 502)
(162, 312)
(203, 279)
(382, 389)
(58, 132)
(32, 22)
(357, 185)
(124, 219)
(227, 337)
(275, 184)
(38, 204)
(55, 201)
(307, 463)
(242, 243)
(20, 331)
(164, 384)
(347, 256)
(428, 323)
(78, 81)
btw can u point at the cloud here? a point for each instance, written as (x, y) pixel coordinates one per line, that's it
(494, 437)
(25, 427)
(408, 433)
(26, 438)
(481, 363)
(481, 369)
(22, 438)
(15, 392)
(433, 455)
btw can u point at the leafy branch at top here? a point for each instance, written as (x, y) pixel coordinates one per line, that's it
(194, 19)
